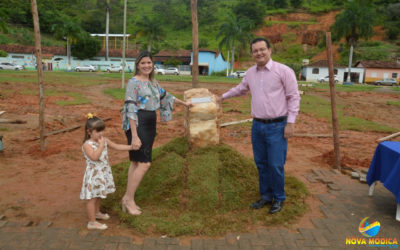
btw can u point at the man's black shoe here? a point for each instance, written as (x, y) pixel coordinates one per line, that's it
(276, 207)
(260, 203)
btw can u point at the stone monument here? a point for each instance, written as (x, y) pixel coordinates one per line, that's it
(202, 121)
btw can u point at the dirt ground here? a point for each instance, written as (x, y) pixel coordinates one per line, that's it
(44, 186)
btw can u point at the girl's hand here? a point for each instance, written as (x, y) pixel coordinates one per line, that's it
(101, 141)
(136, 143)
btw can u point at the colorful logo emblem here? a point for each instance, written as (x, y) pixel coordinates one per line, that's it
(369, 230)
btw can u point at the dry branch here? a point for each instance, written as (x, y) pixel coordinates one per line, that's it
(236, 122)
(318, 135)
(388, 137)
(12, 121)
(65, 130)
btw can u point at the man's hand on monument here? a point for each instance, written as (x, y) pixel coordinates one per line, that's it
(219, 100)
(289, 130)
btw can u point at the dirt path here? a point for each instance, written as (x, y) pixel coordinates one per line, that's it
(46, 186)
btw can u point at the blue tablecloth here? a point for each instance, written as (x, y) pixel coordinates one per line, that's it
(385, 167)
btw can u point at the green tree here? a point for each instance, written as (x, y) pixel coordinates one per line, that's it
(296, 3)
(354, 22)
(69, 29)
(149, 29)
(392, 21)
(233, 33)
(86, 47)
(3, 22)
(251, 10)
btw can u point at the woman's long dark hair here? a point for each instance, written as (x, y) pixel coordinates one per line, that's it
(94, 123)
(139, 58)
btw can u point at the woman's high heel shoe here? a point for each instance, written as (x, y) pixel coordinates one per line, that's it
(127, 209)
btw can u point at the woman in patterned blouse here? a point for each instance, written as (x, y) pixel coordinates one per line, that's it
(144, 96)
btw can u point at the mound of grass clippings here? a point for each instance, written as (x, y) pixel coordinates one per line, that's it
(204, 191)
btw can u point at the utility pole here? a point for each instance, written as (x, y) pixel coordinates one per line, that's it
(335, 122)
(38, 54)
(123, 48)
(195, 44)
(107, 25)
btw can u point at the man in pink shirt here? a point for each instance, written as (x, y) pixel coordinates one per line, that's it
(275, 103)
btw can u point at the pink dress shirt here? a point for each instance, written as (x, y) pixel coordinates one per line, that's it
(274, 91)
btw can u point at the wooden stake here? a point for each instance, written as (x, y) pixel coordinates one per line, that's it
(335, 123)
(38, 54)
(195, 44)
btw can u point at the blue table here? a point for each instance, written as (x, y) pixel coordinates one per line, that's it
(385, 167)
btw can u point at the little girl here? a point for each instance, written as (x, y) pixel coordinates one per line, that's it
(98, 180)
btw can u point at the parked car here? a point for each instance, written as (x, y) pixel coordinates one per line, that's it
(89, 68)
(158, 70)
(240, 74)
(172, 71)
(110, 69)
(326, 79)
(386, 81)
(10, 66)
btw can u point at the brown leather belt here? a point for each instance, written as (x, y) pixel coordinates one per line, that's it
(266, 121)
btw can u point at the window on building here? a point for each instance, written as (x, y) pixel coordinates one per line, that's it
(58, 59)
(21, 57)
(374, 74)
(130, 60)
(335, 71)
(315, 70)
(394, 75)
(115, 60)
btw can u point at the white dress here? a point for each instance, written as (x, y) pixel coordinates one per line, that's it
(98, 180)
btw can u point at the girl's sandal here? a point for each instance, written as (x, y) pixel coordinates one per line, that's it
(96, 225)
(101, 216)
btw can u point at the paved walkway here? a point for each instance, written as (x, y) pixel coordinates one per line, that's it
(346, 204)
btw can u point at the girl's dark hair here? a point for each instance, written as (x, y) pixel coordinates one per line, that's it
(139, 58)
(94, 123)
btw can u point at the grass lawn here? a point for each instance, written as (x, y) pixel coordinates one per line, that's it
(204, 191)
(319, 107)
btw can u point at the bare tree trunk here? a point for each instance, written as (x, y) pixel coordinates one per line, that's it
(335, 122)
(68, 54)
(233, 59)
(38, 53)
(107, 27)
(123, 49)
(149, 46)
(350, 62)
(227, 64)
(195, 44)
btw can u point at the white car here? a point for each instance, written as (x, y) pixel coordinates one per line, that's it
(158, 70)
(114, 69)
(172, 71)
(240, 74)
(326, 79)
(89, 68)
(10, 66)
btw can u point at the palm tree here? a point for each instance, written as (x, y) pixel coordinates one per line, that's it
(150, 29)
(234, 33)
(69, 29)
(354, 22)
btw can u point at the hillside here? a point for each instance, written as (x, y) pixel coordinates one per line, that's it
(296, 33)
